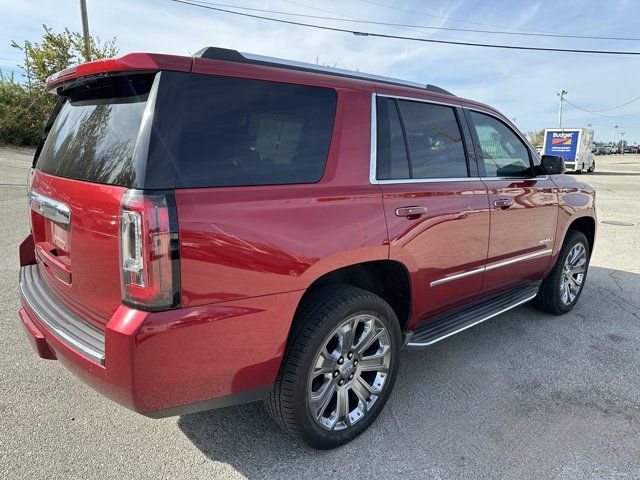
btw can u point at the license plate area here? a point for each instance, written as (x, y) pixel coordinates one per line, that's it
(51, 226)
(60, 236)
(55, 251)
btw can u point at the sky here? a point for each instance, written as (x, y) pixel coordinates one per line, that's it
(521, 84)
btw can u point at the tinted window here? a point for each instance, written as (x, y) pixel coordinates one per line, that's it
(505, 155)
(94, 134)
(434, 140)
(392, 161)
(250, 132)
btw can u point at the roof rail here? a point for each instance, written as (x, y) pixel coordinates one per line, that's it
(216, 53)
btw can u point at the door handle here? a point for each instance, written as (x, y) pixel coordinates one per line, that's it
(410, 211)
(503, 203)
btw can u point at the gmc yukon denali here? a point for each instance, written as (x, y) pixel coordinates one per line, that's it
(226, 228)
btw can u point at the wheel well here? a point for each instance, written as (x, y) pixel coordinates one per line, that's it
(386, 278)
(586, 225)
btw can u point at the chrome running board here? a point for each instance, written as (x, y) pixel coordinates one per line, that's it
(448, 324)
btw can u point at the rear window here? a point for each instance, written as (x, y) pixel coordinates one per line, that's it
(251, 132)
(190, 130)
(94, 133)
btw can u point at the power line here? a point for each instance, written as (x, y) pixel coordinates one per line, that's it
(340, 16)
(599, 114)
(401, 9)
(618, 106)
(409, 25)
(400, 37)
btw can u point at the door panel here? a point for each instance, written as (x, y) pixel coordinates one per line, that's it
(524, 207)
(437, 214)
(522, 233)
(450, 240)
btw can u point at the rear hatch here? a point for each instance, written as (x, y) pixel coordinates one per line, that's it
(81, 174)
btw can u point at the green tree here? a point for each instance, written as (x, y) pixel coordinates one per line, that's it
(536, 137)
(25, 106)
(58, 51)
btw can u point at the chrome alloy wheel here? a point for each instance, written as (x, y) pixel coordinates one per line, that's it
(349, 372)
(573, 271)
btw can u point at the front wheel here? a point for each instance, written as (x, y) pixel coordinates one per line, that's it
(592, 168)
(560, 291)
(339, 368)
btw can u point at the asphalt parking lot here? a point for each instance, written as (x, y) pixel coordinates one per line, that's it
(523, 396)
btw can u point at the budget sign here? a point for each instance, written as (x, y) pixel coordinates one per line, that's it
(563, 144)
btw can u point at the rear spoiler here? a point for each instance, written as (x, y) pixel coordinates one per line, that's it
(131, 62)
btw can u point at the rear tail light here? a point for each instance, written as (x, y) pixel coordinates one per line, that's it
(149, 250)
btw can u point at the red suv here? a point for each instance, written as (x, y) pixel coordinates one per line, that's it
(225, 228)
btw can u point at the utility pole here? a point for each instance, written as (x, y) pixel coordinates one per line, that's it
(622, 143)
(616, 129)
(561, 94)
(85, 30)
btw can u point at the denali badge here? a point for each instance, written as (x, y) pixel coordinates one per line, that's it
(544, 240)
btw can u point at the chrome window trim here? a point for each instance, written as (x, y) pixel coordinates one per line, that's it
(492, 266)
(374, 145)
(374, 142)
(428, 180)
(492, 179)
(47, 207)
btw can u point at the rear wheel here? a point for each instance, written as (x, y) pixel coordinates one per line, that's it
(560, 291)
(339, 368)
(592, 168)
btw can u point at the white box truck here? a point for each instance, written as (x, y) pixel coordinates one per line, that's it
(575, 145)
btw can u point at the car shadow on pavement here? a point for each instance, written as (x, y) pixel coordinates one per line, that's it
(516, 397)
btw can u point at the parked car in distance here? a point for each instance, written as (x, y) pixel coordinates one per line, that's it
(614, 150)
(226, 228)
(628, 149)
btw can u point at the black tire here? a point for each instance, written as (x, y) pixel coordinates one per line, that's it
(592, 168)
(549, 298)
(317, 318)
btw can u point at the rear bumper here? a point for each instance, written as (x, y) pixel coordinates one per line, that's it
(168, 363)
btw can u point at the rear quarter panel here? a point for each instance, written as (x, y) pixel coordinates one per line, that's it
(238, 242)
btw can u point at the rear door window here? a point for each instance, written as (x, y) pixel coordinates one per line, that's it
(238, 131)
(435, 143)
(392, 163)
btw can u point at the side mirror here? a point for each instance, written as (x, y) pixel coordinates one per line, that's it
(553, 165)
